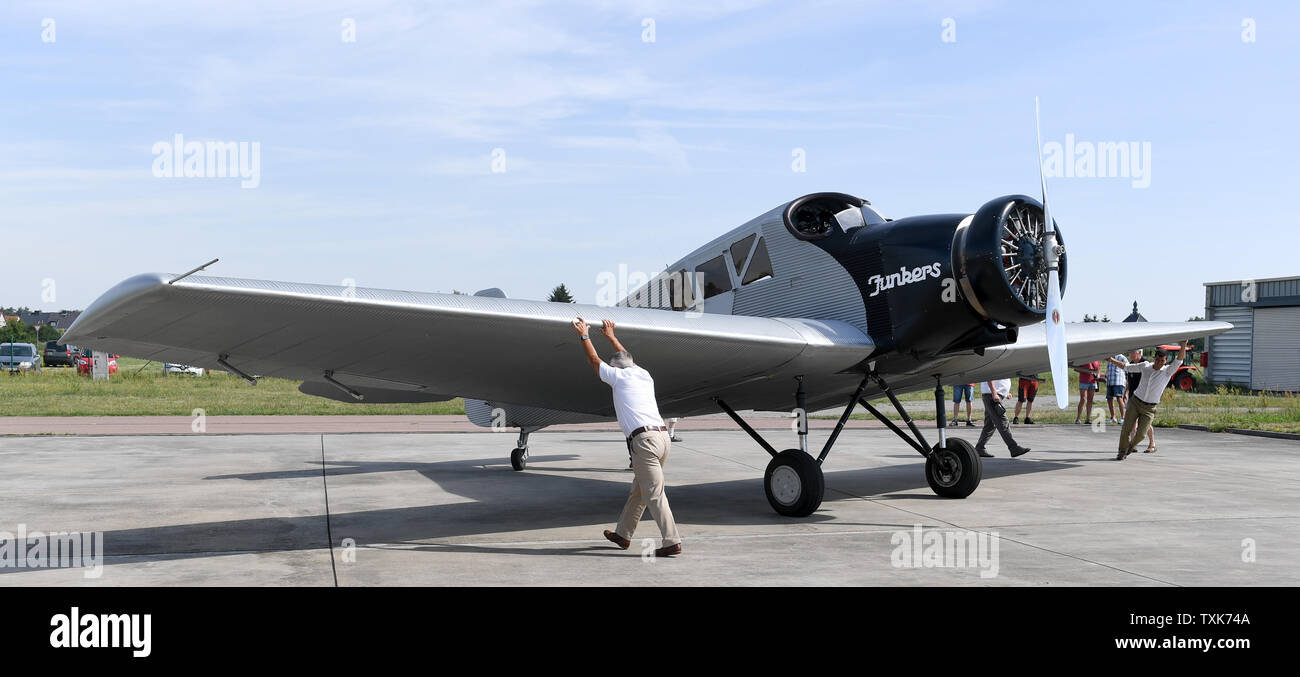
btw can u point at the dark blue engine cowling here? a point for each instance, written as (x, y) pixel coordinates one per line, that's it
(932, 284)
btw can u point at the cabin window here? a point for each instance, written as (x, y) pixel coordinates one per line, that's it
(760, 264)
(716, 277)
(682, 281)
(740, 252)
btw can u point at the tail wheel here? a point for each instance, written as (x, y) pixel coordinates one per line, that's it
(794, 483)
(955, 470)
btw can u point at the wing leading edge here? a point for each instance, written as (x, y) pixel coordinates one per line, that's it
(414, 346)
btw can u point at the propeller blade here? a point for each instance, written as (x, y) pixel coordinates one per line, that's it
(1056, 345)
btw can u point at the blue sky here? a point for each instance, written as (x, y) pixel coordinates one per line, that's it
(376, 154)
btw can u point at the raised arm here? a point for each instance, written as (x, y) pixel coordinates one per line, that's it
(593, 358)
(1116, 362)
(608, 331)
(1182, 350)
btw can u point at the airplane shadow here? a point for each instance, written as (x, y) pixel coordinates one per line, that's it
(503, 499)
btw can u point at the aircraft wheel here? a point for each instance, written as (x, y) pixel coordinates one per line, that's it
(519, 459)
(794, 483)
(955, 470)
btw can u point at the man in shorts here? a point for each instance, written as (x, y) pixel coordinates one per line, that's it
(958, 392)
(1026, 391)
(1116, 382)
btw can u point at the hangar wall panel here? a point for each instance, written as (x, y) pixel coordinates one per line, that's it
(1230, 352)
(1276, 359)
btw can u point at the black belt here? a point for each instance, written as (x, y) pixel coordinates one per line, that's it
(1149, 404)
(646, 429)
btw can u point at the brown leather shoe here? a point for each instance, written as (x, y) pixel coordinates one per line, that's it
(614, 538)
(669, 550)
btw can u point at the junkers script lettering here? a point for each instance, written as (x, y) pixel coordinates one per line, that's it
(903, 276)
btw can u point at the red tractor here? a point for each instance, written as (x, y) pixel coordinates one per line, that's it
(1183, 379)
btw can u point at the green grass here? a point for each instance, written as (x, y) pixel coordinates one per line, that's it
(133, 391)
(1216, 407)
(141, 389)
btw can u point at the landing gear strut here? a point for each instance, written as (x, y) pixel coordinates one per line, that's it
(794, 482)
(519, 457)
(952, 468)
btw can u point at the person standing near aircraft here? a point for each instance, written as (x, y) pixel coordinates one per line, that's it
(995, 416)
(1026, 391)
(1144, 401)
(1133, 381)
(1087, 387)
(638, 416)
(958, 392)
(1115, 385)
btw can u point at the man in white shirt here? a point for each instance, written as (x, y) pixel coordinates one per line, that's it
(1145, 398)
(995, 416)
(638, 416)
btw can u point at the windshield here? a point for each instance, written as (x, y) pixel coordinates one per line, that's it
(871, 216)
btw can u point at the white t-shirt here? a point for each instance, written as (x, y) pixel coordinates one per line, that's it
(1002, 385)
(1153, 380)
(634, 397)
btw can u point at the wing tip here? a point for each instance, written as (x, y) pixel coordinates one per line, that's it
(81, 332)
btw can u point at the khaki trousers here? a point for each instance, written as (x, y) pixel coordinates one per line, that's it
(649, 453)
(1137, 415)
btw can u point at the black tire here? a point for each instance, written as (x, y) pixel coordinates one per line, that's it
(1184, 382)
(955, 471)
(519, 459)
(799, 483)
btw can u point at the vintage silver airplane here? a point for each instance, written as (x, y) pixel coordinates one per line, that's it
(819, 302)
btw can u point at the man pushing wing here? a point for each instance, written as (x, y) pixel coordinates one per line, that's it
(647, 437)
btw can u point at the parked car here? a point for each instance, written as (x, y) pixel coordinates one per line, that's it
(56, 355)
(87, 359)
(20, 356)
(173, 368)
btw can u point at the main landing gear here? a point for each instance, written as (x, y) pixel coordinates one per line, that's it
(794, 482)
(519, 457)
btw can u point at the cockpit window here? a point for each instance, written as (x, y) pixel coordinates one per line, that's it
(871, 216)
(816, 216)
(816, 221)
